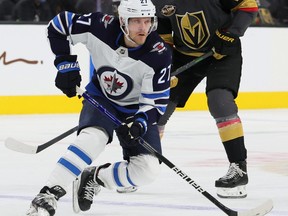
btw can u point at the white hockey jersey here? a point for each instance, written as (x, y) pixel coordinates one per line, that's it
(134, 79)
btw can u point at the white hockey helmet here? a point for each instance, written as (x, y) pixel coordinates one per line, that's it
(136, 8)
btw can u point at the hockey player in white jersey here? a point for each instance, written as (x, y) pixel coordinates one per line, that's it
(131, 80)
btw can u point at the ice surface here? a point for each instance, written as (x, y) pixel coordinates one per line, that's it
(191, 142)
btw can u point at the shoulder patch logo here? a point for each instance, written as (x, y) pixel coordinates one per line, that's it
(158, 47)
(168, 10)
(107, 19)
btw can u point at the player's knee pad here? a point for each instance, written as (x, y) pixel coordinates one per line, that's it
(221, 103)
(92, 140)
(86, 148)
(143, 169)
(88, 145)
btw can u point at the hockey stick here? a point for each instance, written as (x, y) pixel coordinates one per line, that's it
(258, 211)
(18, 146)
(192, 63)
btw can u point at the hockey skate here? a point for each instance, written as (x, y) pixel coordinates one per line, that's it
(233, 184)
(45, 203)
(85, 188)
(130, 189)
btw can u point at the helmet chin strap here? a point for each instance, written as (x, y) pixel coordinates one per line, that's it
(126, 34)
(130, 39)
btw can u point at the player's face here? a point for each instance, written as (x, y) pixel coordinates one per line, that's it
(138, 29)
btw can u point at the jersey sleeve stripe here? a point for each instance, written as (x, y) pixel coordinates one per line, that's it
(145, 108)
(253, 9)
(157, 95)
(69, 16)
(58, 25)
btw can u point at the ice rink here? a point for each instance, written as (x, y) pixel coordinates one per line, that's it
(191, 142)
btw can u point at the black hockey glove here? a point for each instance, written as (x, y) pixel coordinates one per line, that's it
(225, 43)
(133, 128)
(68, 76)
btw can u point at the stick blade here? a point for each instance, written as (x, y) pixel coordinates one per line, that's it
(18, 146)
(261, 210)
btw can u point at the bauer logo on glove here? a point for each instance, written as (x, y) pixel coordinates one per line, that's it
(68, 66)
(68, 76)
(225, 43)
(225, 37)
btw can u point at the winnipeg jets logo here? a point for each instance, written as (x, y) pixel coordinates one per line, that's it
(114, 84)
(107, 19)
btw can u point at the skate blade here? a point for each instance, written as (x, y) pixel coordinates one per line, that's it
(39, 212)
(232, 193)
(127, 189)
(31, 211)
(75, 188)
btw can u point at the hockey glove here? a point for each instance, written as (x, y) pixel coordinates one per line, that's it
(68, 76)
(225, 43)
(133, 128)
